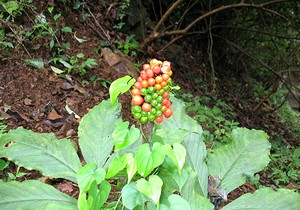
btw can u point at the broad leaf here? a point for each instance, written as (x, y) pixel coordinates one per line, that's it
(267, 199)
(190, 192)
(124, 137)
(181, 127)
(132, 197)
(43, 152)
(176, 202)
(37, 63)
(247, 154)
(147, 160)
(178, 126)
(89, 173)
(95, 132)
(32, 194)
(151, 188)
(118, 163)
(120, 86)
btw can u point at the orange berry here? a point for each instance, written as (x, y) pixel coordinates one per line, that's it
(151, 81)
(157, 86)
(136, 91)
(138, 85)
(137, 100)
(159, 119)
(146, 107)
(163, 83)
(146, 66)
(165, 77)
(168, 113)
(150, 73)
(144, 83)
(158, 79)
(156, 69)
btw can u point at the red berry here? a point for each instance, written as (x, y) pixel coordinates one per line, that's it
(168, 113)
(150, 73)
(146, 66)
(137, 100)
(159, 119)
(146, 107)
(138, 85)
(156, 69)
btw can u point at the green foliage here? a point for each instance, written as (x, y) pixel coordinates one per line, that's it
(124, 4)
(248, 153)
(214, 119)
(164, 173)
(35, 195)
(129, 46)
(120, 86)
(288, 116)
(284, 165)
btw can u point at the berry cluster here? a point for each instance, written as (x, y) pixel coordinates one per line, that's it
(150, 93)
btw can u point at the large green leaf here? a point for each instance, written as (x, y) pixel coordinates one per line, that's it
(120, 86)
(267, 199)
(95, 132)
(147, 159)
(181, 127)
(247, 154)
(33, 194)
(178, 126)
(132, 197)
(43, 152)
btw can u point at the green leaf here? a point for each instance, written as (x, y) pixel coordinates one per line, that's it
(56, 70)
(80, 55)
(233, 163)
(178, 126)
(132, 197)
(37, 63)
(176, 202)
(181, 127)
(190, 192)
(32, 194)
(95, 132)
(147, 160)
(79, 39)
(118, 163)
(7, 44)
(43, 152)
(124, 137)
(87, 174)
(151, 188)
(131, 166)
(10, 6)
(267, 199)
(180, 154)
(3, 164)
(120, 86)
(66, 29)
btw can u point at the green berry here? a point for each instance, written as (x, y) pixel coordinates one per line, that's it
(154, 103)
(136, 109)
(137, 116)
(148, 98)
(154, 95)
(144, 114)
(151, 89)
(144, 91)
(153, 111)
(144, 120)
(161, 92)
(159, 106)
(159, 99)
(151, 117)
(158, 113)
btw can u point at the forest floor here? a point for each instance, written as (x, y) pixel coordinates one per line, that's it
(37, 99)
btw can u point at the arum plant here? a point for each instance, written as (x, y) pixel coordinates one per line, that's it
(170, 171)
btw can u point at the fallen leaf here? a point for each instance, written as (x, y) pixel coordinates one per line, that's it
(53, 115)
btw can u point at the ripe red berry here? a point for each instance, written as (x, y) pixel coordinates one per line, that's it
(137, 100)
(146, 107)
(159, 119)
(168, 113)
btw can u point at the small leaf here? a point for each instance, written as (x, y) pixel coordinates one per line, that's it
(79, 39)
(87, 174)
(70, 111)
(151, 188)
(56, 70)
(120, 86)
(176, 202)
(37, 63)
(180, 154)
(132, 197)
(124, 137)
(57, 16)
(80, 55)
(118, 163)
(148, 160)
(67, 29)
